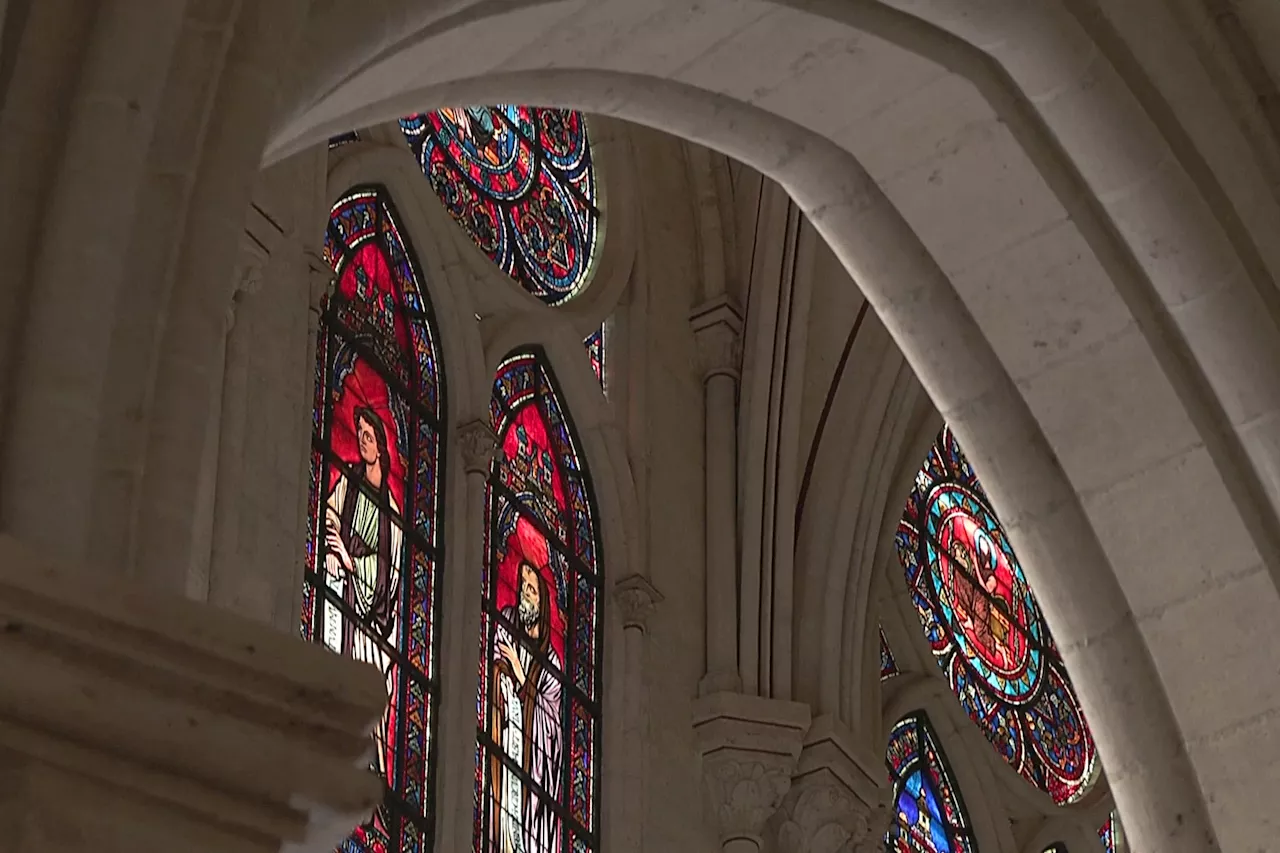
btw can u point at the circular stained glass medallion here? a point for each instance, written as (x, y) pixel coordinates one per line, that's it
(520, 182)
(986, 630)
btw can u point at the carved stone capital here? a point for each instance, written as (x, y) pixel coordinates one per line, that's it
(479, 444)
(636, 598)
(717, 330)
(175, 724)
(749, 748)
(835, 804)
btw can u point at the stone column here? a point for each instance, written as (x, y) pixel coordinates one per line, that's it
(637, 598)
(133, 720)
(717, 328)
(229, 584)
(477, 444)
(837, 801)
(749, 749)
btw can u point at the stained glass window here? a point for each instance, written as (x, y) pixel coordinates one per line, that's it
(595, 349)
(374, 534)
(538, 710)
(888, 666)
(343, 138)
(520, 181)
(930, 816)
(1112, 835)
(986, 629)
(1056, 848)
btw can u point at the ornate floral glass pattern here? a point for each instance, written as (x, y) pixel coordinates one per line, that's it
(930, 816)
(595, 349)
(986, 629)
(520, 181)
(538, 708)
(888, 666)
(373, 541)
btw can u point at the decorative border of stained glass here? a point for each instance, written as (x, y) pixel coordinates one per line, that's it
(1111, 834)
(986, 629)
(374, 545)
(521, 182)
(929, 812)
(888, 666)
(538, 707)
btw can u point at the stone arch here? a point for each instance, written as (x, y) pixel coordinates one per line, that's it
(969, 362)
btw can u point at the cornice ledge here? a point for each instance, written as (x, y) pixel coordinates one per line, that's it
(222, 718)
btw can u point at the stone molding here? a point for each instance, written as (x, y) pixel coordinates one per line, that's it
(835, 804)
(749, 748)
(717, 330)
(320, 279)
(207, 722)
(479, 444)
(637, 598)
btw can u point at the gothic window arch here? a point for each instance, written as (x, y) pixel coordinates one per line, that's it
(521, 182)
(986, 629)
(538, 721)
(929, 813)
(374, 532)
(1111, 834)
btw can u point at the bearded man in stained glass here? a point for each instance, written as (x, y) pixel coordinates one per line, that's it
(363, 556)
(526, 722)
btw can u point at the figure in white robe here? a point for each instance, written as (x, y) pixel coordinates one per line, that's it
(363, 560)
(526, 725)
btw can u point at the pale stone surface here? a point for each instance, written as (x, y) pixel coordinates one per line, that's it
(1061, 217)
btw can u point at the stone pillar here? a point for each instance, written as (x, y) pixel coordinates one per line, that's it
(717, 328)
(749, 749)
(477, 444)
(132, 720)
(837, 801)
(637, 598)
(232, 583)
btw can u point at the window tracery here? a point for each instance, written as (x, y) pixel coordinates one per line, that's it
(986, 629)
(374, 538)
(538, 728)
(521, 182)
(929, 813)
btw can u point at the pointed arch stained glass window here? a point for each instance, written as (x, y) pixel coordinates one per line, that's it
(930, 816)
(373, 516)
(888, 666)
(987, 633)
(539, 727)
(521, 183)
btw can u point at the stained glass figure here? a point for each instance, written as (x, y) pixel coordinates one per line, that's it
(520, 182)
(344, 138)
(1112, 835)
(986, 628)
(595, 349)
(370, 587)
(538, 721)
(930, 813)
(888, 666)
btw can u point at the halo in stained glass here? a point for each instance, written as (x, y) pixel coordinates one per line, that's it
(538, 711)
(373, 544)
(986, 629)
(929, 813)
(521, 182)
(888, 666)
